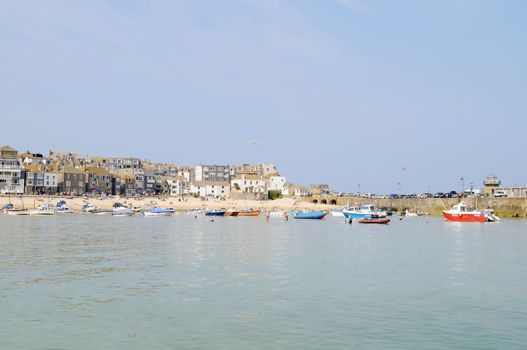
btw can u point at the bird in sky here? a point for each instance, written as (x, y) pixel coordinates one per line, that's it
(404, 168)
(254, 142)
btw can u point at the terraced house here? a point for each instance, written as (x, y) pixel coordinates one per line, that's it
(11, 172)
(72, 181)
(99, 180)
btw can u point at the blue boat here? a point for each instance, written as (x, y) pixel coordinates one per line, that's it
(364, 212)
(215, 212)
(158, 212)
(315, 215)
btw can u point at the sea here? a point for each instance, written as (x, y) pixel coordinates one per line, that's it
(96, 282)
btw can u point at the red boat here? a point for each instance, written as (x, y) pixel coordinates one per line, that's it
(249, 212)
(374, 221)
(462, 213)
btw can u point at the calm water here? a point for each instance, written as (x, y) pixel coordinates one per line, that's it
(87, 282)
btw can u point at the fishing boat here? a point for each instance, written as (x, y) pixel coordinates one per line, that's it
(364, 212)
(64, 209)
(44, 210)
(88, 208)
(231, 213)
(374, 220)
(315, 215)
(194, 212)
(17, 211)
(337, 213)
(249, 212)
(101, 212)
(463, 213)
(215, 212)
(158, 212)
(277, 214)
(7, 207)
(120, 210)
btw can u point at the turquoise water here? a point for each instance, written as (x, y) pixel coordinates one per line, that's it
(86, 282)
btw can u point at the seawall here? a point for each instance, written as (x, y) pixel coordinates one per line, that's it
(504, 207)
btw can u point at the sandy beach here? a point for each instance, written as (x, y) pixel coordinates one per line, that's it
(76, 203)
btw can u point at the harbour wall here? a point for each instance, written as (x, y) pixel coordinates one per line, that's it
(504, 207)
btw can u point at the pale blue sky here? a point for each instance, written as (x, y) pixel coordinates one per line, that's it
(338, 91)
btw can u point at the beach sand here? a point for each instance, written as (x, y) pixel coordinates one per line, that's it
(76, 203)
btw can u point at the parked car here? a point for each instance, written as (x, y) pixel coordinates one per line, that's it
(500, 193)
(439, 195)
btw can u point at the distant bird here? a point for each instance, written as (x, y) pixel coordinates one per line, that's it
(404, 168)
(254, 142)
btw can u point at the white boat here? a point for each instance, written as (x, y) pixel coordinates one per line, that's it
(44, 210)
(64, 209)
(195, 211)
(121, 210)
(277, 214)
(89, 208)
(337, 213)
(158, 212)
(17, 212)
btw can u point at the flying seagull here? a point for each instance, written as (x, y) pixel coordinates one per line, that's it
(255, 142)
(404, 168)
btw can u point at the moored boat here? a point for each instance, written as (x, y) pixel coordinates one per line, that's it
(249, 212)
(364, 212)
(88, 208)
(231, 213)
(215, 212)
(64, 209)
(44, 210)
(374, 220)
(463, 213)
(120, 210)
(315, 215)
(158, 212)
(101, 212)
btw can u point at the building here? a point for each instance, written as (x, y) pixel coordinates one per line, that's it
(11, 172)
(72, 181)
(179, 186)
(297, 190)
(319, 189)
(212, 173)
(277, 183)
(150, 183)
(51, 182)
(34, 179)
(99, 180)
(511, 191)
(490, 185)
(213, 189)
(123, 165)
(248, 184)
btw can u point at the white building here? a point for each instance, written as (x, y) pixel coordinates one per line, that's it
(51, 182)
(213, 189)
(277, 183)
(248, 184)
(179, 186)
(11, 172)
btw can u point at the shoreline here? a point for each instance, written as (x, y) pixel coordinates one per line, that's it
(149, 202)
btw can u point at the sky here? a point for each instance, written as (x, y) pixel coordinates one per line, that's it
(343, 92)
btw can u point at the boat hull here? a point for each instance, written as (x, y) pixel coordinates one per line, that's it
(249, 213)
(311, 216)
(148, 214)
(382, 221)
(231, 213)
(215, 213)
(353, 215)
(462, 217)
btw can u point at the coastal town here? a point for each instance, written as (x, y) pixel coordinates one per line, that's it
(69, 174)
